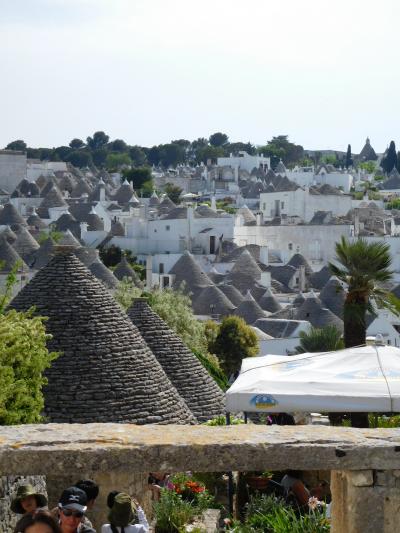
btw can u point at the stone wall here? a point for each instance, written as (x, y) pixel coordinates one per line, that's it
(8, 486)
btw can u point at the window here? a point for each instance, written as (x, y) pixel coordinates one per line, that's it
(167, 228)
(282, 205)
(290, 246)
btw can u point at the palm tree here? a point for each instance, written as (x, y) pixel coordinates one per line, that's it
(327, 339)
(363, 267)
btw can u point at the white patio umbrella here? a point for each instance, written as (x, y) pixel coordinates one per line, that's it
(363, 379)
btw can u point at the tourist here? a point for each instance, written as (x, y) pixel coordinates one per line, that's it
(27, 500)
(91, 490)
(125, 516)
(41, 521)
(71, 511)
(38, 522)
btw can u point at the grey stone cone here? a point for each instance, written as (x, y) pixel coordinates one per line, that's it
(106, 372)
(187, 374)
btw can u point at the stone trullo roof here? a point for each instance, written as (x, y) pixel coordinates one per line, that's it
(246, 264)
(9, 257)
(212, 301)
(80, 188)
(202, 395)
(187, 270)
(314, 311)
(124, 193)
(232, 294)
(35, 221)
(248, 216)
(319, 279)
(42, 256)
(9, 216)
(9, 234)
(367, 153)
(102, 273)
(25, 245)
(68, 239)
(106, 372)
(333, 296)
(268, 302)
(249, 310)
(298, 260)
(53, 198)
(124, 270)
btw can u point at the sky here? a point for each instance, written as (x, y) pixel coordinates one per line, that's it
(148, 71)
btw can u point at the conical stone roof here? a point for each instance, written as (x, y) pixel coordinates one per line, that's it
(269, 303)
(298, 260)
(124, 270)
(124, 193)
(187, 270)
(80, 188)
(154, 200)
(42, 256)
(9, 257)
(106, 372)
(319, 279)
(86, 255)
(232, 294)
(299, 300)
(333, 296)
(9, 216)
(68, 239)
(53, 198)
(317, 314)
(212, 301)
(246, 265)
(25, 245)
(8, 234)
(202, 395)
(248, 216)
(35, 221)
(102, 273)
(249, 310)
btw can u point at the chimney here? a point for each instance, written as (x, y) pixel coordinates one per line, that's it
(302, 278)
(265, 280)
(213, 203)
(84, 228)
(356, 223)
(149, 272)
(264, 255)
(259, 219)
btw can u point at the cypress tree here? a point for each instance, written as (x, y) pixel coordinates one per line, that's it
(390, 159)
(349, 160)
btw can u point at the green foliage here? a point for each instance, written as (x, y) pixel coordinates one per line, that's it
(234, 342)
(349, 159)
(18, 145)
(220, 420)
(326, 339)
(211, 364)
(23, 358)
(172, 513)
(99, 140)
(117, 160)
(368, 166)
(138, 176)
(281, 148)
(389, 161)
(393, 204)
(175, 308)
(79, 158)
(76, 144)
(173, 192)
(44, 235)
(383, 421)
(218, 139)
(126, 292)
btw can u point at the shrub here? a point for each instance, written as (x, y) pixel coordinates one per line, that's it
(172, 512)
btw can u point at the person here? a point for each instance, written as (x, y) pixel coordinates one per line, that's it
(156, 481)
(38, 522)
(125, 516)
(27, 500)
(91, 490)
(72, 507)
(41, 521)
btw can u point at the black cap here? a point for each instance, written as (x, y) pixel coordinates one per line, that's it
(73, 498)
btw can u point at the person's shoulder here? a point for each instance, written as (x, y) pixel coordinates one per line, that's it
(86, 529)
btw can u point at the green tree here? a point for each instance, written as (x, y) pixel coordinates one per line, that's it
(99, 156)
(79, 158)
(23, 359)
(368, 166)
(218, 139)
(389, 161)
(327, 339)
(173, 192)
(172, 154)
(99, 140)
(76, 144)
(364, 267)
(349, 159)
(235, 148)
(234, 342)
(62, 152)
(209, 152)
(281, 148)
(115, 161)
(137, 176)
(137, 156)
(118, 146)
(18, 145)
(154, 155)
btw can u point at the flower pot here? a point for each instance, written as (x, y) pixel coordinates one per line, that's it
(257, 482)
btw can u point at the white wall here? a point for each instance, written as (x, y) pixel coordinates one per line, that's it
(12, 169)
(244, 162)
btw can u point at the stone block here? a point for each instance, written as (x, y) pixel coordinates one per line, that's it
(361, 478)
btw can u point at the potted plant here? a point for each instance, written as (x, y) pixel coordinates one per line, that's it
(258, 480)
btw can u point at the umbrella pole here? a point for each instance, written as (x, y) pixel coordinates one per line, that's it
(230, 476)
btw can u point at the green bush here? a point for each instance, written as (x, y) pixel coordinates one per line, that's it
(172, 512)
